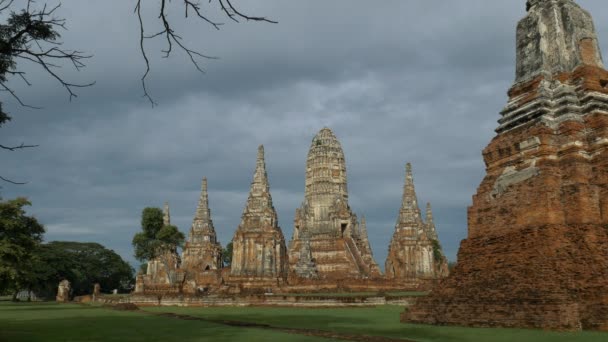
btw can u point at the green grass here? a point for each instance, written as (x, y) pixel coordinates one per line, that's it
(71, 322)
(51, 322)
(355, 294)
(380, 321)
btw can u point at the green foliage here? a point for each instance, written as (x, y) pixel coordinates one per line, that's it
(51, 322)
(437, 254)
(151, 221)
(155, 237)
(16, 36)
(19, 236)
(227, 254)
(83, 264)
(382, 321)
(170, 235)
(143, 268)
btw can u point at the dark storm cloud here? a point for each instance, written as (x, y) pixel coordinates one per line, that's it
(397, 81)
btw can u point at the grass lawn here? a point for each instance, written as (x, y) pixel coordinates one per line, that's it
(50, 322)
(356, 294)
(380, 321)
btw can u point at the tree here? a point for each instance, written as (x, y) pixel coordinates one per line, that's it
(155, 237)
(19, 236)
(227, 255)
(82, 263)
(30, 35)
(173, 39)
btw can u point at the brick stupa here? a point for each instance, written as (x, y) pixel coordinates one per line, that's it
(328, 242)
(415, 252)
(536, 255)
(259, 256)
(202, 251)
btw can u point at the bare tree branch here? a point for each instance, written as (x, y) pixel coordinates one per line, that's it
(14, 148)
(172, 38)
(12, 182)
(32, 29)
(5, 6)
(30, 34)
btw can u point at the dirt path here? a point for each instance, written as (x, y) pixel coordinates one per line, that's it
(305, 332)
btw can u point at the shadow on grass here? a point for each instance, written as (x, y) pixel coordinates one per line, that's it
(38, 307)
(55, 324)
(379, 321)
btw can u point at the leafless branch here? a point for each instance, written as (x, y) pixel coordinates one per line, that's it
(11, 181)
(234, 14)
(30, 35)
(172, 38)
(16, 97)
(5, 5)
(29, 44)
(14, 148)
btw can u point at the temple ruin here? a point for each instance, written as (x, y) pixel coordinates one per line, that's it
(414, 252)
(329, 249)
(202, 251)
(536, 255)
(325, 224)
(259, 254)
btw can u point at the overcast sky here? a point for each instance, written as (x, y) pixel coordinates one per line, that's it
(420, 81)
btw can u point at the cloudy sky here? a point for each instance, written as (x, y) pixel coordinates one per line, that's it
(420, 81)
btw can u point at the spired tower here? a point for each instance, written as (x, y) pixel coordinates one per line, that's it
(166, 214)
(202, 251)
(536, 254)
(414, 253)
(325, 223)
(258, 245)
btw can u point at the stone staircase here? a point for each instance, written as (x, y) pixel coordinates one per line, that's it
(356, 255)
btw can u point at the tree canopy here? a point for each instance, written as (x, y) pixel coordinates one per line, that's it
(155, 237)
(227, 254)
(20, 234)
(30, 34)
(83, 264)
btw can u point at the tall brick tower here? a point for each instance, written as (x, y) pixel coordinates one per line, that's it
(414, 252)
(325, 223)
(202, 251)
(259, 254)
(536, 254)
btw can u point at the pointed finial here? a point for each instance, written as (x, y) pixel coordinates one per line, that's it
(261, 153)
(409, 176)
(429, 213)
(203, 202)
(430, 223)
(166, 215)
(409, 215)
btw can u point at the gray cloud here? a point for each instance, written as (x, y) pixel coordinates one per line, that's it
(397, 81)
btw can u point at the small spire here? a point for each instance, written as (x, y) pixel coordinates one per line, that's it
(166, 215)
(409, 215)
(202, 211)
(259, 202)
(363, 226)
(429, 214)
(430, 223)
(260, 175)
(260, 154)
(260, 185)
